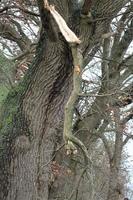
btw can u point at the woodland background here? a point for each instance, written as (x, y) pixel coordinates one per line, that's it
(37, 69)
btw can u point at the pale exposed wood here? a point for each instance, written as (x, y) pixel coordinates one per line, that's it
(65, 30)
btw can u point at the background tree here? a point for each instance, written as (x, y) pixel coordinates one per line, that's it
(34, 164)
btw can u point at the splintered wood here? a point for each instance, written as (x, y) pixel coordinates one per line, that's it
(65, 30)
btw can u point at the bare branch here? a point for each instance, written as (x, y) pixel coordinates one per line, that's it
(78, 183)
(65, 30)
(8, 32)
(96, 95)
(127, 139)
(128, 62)
(118, 50)
(6, 8)
(127, 118)
(106, 145)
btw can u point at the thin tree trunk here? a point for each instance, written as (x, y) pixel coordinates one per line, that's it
(115, 190)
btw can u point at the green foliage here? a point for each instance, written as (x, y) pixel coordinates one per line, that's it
(6, 63)
(10, 108)
(10, 111)
(3, 93)
(7, 67)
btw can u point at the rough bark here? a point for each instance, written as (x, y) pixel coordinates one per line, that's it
(115, 189)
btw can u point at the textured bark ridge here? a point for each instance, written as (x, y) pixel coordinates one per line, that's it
(35, 136)
(48, 93)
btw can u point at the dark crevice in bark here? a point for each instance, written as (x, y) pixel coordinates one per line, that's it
(62, 73)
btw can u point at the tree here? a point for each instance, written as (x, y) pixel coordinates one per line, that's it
(32, 167)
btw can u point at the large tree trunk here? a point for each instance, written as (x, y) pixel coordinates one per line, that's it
(41, 112)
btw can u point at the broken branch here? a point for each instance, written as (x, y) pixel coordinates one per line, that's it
(65, 30)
